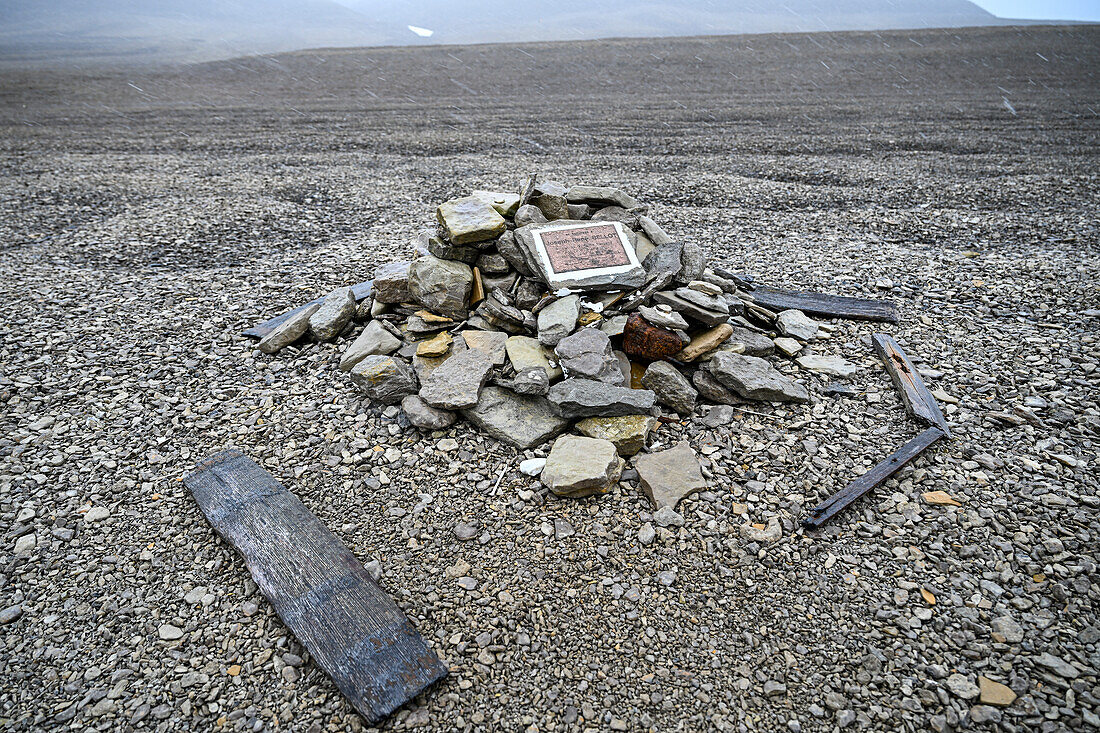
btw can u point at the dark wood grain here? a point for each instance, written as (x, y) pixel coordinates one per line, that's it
(359, 290)
(844, 498)
(351, 628)
(918, 401)
(825, 305)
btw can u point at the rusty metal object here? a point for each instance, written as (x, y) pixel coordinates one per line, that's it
(648, 342)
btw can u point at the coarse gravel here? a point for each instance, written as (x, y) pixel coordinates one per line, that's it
(148, 216)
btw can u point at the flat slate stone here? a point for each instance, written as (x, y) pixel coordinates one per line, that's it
(756, 344)
(587, 354)
(509, 250)
(384, 379)
(755, 378)
(672, 388)
(796, 324)
(691, 310)
(627, 432)
(601, 196)
(469, 219)
(519, 420)
(505, 203)
(558, 320)
(713, 390)
(335, 312)
(456, 384)
(524, 352)
(670, 475)
(422, 415)
(834, 366)
(289, 331)
(577, 398)
(374, 340)
(491, 343)
(579, 466)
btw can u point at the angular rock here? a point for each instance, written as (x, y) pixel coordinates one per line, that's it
(587, 354)
(374, 340)
(424, 416)
(500, 315)
(521, 421)
(456, 384)
(491, 343)
(652, 230)
(528, 293)
(616, 213)
(643, 246)
(505, 203)
(548, 196)
(532, 466)
(614, 326)
(834, 366)
(509, 250)
(469, 219)
(645, 341)
(692, 263)
(788, 345)
(772, 532)
(628, 432)
(391, 283)
(672, 388)
(668, 476)
(600, 196)
(579, 211)
(335, 312)
(663, 263)
(994, 693)
(703, 300)
(442, 286)
(662, 316)
(692, 310)
(492, 263)
(756, 344)
(531, 381)
(558, 320)
(577, 398)
(705, 342)
(1057, 665)
(530, 214)
(384, 379)
(438, 345)
(445, 250)
(961, 686)
(579, 466)
(755, 379)
(713, 390)
(288, 331)
(524, 351)
(796, 324)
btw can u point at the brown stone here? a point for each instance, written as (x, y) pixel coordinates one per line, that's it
(994, 693)
(705, 342)
(648, 342)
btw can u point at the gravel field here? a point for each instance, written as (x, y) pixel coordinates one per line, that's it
(148, 216)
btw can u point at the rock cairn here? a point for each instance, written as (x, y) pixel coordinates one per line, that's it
(478, 325)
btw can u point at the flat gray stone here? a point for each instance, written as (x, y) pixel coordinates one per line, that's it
(530, 214)
(713, 390)
(491, 343)
(504, 202)
(663, 262)
(672, 388)
(391, 283)
(579, 466)
(601, 196)
(441, 286)
(796, 324)
(587, 354)
(444, 250)
(756, 344)
(834, 366)
(455, 385)
(547, 195)
(335, 312)
(703, 300)
(524, 352)
(384, 379)
(691, 310)
(558, 320)
(424, 416)
(755, 379)
(375, 339)
(668, 476)
(509, 250)
(469, 219)
(628, 432)
(288, 331)
(578, 398)
(531, 381)
(662, 316)
(519, 420)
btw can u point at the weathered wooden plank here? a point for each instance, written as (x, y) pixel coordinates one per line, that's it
(844, 498)
(825, 305)
(360, 290)
(918, 401)
(351, 628)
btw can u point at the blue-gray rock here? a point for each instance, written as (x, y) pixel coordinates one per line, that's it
(557, 320)
(384, 379)
(335, 312)
(441, 286)
(375, 339)
(456, 384)
(288, 331)
(755, 379)
(578, 398)
(587, 354)
(672, 388)
(424, 416)
(519, 420)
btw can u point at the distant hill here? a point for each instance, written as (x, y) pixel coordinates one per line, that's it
(82, 31)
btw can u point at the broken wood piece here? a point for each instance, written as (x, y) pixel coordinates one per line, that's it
(824, 305)
(918, 401)
(844, 498)
(477, 292)
(351, 628)
(359, 290)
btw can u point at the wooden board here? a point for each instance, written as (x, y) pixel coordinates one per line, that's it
(359, 290)
(351, 628)
(844, 498)
(825, 305)
(918, 401)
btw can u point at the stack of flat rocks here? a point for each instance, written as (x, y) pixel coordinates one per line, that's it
(565, 314)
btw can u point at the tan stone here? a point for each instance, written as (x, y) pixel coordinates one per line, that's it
(705, 342)
(438, 345)
(628, 432)
(994, 693)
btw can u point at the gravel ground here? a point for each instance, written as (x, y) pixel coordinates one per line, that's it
(146, 217)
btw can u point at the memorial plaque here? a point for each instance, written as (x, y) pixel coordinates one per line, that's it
(596, 255)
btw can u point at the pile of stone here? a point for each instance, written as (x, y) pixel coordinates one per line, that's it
(558, 309)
